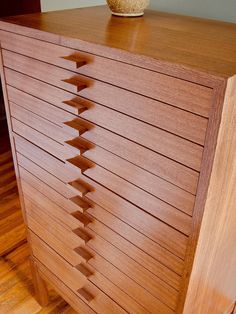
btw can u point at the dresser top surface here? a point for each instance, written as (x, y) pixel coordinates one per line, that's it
(205, 45)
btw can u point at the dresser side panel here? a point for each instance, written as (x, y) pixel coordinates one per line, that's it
(212, 286)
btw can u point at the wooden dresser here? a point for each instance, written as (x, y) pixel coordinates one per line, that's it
(124, 140)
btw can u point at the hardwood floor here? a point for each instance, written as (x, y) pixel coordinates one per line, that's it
(12, 229)
(16, 287)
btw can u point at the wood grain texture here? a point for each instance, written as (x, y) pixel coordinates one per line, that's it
(75, 28)
(100, 265)
(157, 86)
(175, 147)
(165, 292)
(138, 239)
(212, 286)
(61, 268)
(159, 165)
(13, 231)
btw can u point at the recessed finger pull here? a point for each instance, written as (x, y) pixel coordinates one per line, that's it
(76, 82)
(79, 186)
(80, 232)
(75, 125)
(85, 220)
(72, 103)
(85, 294)
(79, 162)
(83, 253)
(84, 270)
(81, 203)
(76, 59)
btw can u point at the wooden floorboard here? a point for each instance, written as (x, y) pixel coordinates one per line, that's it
(16, 287)
(12, 229)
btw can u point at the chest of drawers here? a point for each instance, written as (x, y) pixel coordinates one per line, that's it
(124, 147)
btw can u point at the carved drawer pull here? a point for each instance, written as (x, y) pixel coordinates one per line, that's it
(81, 108)
(80, 163)
(85, 220)
(75, 125)
(80, 186)
(74, 58)
(84, 270)
(77, 144)
(82, 204)
(75, 82)
(85, 294)
(82, 234)
(83, 253)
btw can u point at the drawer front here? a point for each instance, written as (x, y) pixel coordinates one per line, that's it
(142, 199)
(156, 259)
(123, 280)
(168, 144)
(147, 159)
(167, 89)
(166, 236)
(72, 277)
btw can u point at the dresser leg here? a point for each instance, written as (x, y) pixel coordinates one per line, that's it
(40, 286)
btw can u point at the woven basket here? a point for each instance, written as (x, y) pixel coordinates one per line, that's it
(127, 7)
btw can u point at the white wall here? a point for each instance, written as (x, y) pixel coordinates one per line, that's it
(50, 5)
(216, 9)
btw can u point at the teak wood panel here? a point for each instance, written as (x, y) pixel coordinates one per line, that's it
(213, 277)
(150, 183)
(38, 123)
(166, 236)
(68, 295)
(71, 276)
(154, 163)
(137, 196)
(179, 122)
(156, 139)
(167, 192)
(97, 263)
(164, 291)
(43, 141)
(183, 94)
(40, 221)
(109, 288)
(127, 265)
(45, 160)
(131, 192)
(162, 257)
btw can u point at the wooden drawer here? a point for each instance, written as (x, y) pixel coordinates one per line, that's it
(68, 295)
(163, 142)
(157, 164)
(166, 236)
(153, 205)
(97, 263)
(165, 191)
(179, 122)
(154, 257)
(71, 277)
(183, 94)
(56, 149)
